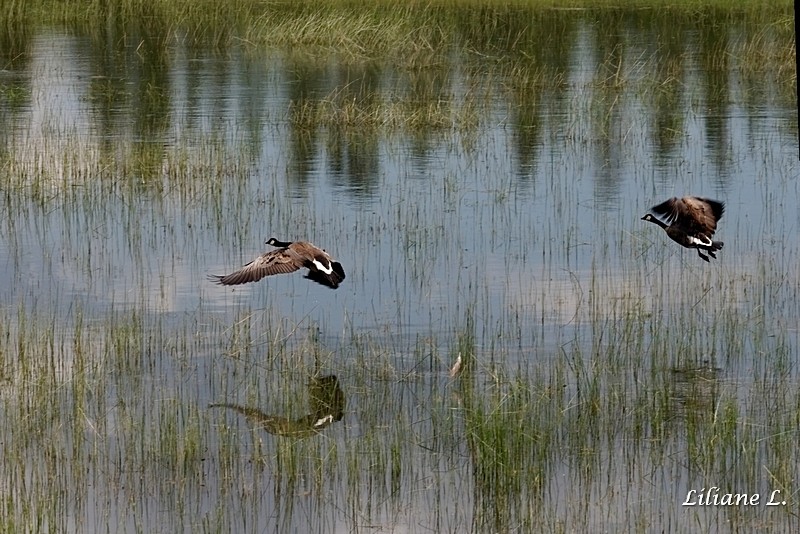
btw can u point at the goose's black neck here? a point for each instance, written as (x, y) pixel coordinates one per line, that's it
(655, 220)
(275, 243)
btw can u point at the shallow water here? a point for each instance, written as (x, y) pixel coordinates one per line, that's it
(510, 233)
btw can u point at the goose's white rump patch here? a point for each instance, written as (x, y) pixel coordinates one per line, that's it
(698, 241)
(323, 420)
(321, 267)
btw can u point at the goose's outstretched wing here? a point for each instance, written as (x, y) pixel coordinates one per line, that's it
(274, 262)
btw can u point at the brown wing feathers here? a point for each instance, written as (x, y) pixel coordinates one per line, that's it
(694, 214)
(274, 262)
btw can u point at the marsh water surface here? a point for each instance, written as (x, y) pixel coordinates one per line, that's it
(485, 203)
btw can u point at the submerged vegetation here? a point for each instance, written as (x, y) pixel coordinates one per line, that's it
(482, 167)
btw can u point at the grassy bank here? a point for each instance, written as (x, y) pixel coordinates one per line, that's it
(373, 22)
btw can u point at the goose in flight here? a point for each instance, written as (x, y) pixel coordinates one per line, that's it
(690, 222)
(287, 258)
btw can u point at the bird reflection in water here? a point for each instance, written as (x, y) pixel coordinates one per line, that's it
(326, 405)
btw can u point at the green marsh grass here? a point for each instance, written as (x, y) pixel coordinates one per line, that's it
(511, 429)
